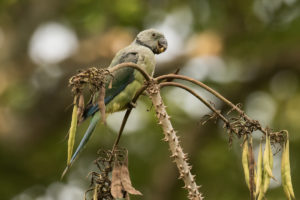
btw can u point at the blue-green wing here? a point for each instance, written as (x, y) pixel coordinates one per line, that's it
(120, 80)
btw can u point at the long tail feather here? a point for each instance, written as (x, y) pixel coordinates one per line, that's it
(84, 140)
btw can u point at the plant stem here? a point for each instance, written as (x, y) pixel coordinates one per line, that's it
(130, 65)
(251, 169)
(128, 111)
(198, 97)
(209, 89)
(170, 136)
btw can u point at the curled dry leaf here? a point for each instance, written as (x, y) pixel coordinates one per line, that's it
(125, 179)
(121, 184)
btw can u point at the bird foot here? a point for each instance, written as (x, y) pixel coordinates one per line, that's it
(133, 105)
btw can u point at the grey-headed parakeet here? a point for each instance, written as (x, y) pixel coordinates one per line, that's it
(126, 81)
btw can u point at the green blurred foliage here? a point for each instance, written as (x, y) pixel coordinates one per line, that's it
(258, 38)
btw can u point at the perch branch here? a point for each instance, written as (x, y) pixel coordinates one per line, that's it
(170, 136)
(130, 65)
(128, 111)
(198, 97)
(212, 91)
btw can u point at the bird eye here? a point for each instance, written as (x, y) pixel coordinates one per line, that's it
(153, 34)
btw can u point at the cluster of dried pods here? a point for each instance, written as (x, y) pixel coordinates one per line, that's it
(113, 181)
(258, 179)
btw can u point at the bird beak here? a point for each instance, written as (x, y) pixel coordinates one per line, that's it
(162, 45)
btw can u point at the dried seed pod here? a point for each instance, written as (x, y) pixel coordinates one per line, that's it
(261, 194)
(266, 164)
(125, 179)
(101, 103)
(286, 172)
(72, 133)
(266, 160)
(95, 195)
(116, 185)
(270, 156)
(266, 181)
(110, 84)
(245, 161)
(259, 170)
(80, 107)
(251, 169)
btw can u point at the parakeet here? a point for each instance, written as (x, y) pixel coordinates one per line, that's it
(126, 81)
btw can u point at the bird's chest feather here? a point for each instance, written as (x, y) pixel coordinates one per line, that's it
(147, 63)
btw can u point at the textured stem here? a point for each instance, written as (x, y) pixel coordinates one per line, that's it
(170, 136)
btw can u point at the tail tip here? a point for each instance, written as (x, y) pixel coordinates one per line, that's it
(65, 171)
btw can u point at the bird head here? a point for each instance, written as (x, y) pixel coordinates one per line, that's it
(152, 39)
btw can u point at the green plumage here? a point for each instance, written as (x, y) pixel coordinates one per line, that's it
(126, 81)
(145, 59)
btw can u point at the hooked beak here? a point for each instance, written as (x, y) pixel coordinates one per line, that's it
(162, 45)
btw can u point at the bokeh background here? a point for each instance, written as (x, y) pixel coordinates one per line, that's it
(249, 51)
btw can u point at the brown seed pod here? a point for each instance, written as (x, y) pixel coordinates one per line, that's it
(101, 102)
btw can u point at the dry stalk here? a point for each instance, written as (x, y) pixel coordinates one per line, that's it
(130, 65)
(212, 108)
(251, 169)
(180, 158)
(276, 136)
(125, 118)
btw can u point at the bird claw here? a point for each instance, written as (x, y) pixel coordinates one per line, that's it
(132, 105)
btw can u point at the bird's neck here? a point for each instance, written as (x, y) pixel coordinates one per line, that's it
(139, 42)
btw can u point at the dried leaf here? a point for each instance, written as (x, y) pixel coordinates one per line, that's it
(101, 103)
(125, 178)
(116, 185)
(72, 133)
